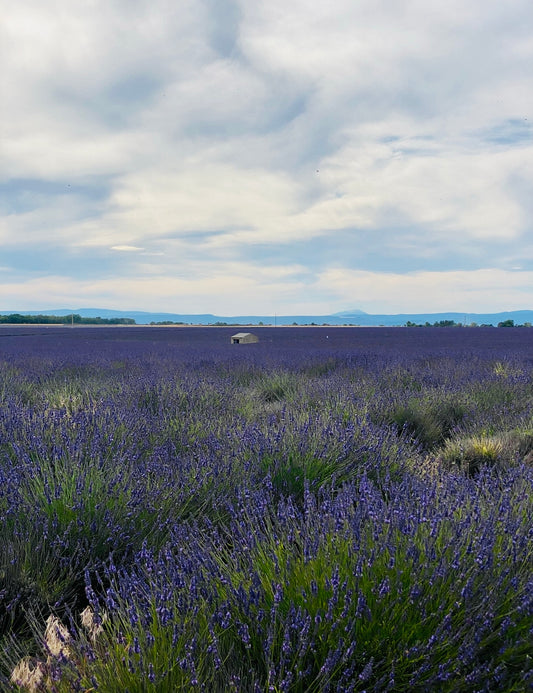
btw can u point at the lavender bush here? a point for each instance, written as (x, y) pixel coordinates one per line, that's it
(330, 509)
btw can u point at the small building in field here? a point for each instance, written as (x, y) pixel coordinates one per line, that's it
(244, 338)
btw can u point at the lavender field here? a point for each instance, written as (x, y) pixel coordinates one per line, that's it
(330, 509)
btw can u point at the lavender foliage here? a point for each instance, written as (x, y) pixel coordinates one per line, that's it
(330, 509)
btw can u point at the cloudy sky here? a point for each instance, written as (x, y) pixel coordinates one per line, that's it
(266, 156)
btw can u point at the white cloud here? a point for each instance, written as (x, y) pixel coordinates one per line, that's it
(485, 290)
(245, 289)
(205, 287)
(447, 191)
(222, 129)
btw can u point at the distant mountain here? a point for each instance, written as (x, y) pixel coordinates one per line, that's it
(349, 313)
(349, 317)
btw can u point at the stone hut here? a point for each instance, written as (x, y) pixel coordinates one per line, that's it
(244, 338)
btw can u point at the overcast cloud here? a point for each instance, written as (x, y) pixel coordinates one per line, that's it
(254, 156)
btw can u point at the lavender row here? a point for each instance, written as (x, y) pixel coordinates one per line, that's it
(327, 509)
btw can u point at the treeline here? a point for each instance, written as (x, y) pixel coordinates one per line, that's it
(452, 323)
(73, 319)
(167, 322)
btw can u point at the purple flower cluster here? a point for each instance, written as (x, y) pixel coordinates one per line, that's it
(268, 517)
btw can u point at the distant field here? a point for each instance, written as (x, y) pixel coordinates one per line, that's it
(329, 509)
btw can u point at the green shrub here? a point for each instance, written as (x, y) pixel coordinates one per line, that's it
(276, 387)
(521, 442)
(470, 455)
(429, 422)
